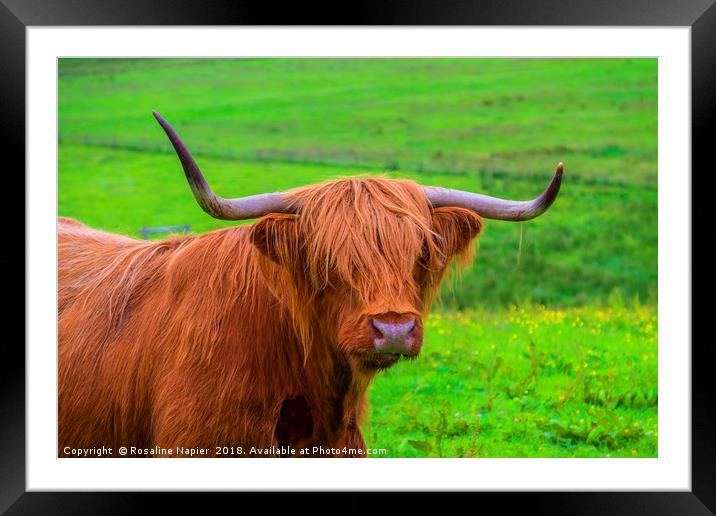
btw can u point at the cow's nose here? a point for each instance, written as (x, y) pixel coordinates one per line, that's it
(396, 338)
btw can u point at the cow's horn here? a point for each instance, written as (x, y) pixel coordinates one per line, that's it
(494, 208)
(250, 207)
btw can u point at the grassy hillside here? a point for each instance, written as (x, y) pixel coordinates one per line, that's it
(497, 126)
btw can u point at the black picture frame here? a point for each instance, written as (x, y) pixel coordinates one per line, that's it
(700, 15)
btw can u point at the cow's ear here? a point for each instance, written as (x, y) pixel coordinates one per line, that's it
(457, 227)
(276, 236)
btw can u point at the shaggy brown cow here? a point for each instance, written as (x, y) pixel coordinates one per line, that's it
(263, 335)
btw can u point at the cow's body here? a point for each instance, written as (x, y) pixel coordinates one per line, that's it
(181, 343)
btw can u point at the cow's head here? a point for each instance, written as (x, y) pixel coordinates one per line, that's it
(364, 256)
(359, 260)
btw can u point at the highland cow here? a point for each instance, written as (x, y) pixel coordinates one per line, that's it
(264, 335)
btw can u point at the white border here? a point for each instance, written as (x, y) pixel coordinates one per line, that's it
(672, 470)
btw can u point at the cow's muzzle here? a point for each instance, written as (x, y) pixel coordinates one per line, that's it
(395, 338)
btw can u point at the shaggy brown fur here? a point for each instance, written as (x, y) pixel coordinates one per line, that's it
(255, 335)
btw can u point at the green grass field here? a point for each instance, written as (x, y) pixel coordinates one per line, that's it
(500, 374)
(527, 382)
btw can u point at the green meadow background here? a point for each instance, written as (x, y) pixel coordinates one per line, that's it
(547, 344)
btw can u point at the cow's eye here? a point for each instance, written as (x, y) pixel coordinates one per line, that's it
(422, 264)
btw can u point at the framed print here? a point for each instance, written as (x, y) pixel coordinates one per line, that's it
(316, 291)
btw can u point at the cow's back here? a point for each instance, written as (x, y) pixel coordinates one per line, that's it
(82, 254)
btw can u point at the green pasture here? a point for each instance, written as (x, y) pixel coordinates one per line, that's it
(546, 346)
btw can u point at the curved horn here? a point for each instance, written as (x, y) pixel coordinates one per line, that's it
(494, 208)
(250, 207)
